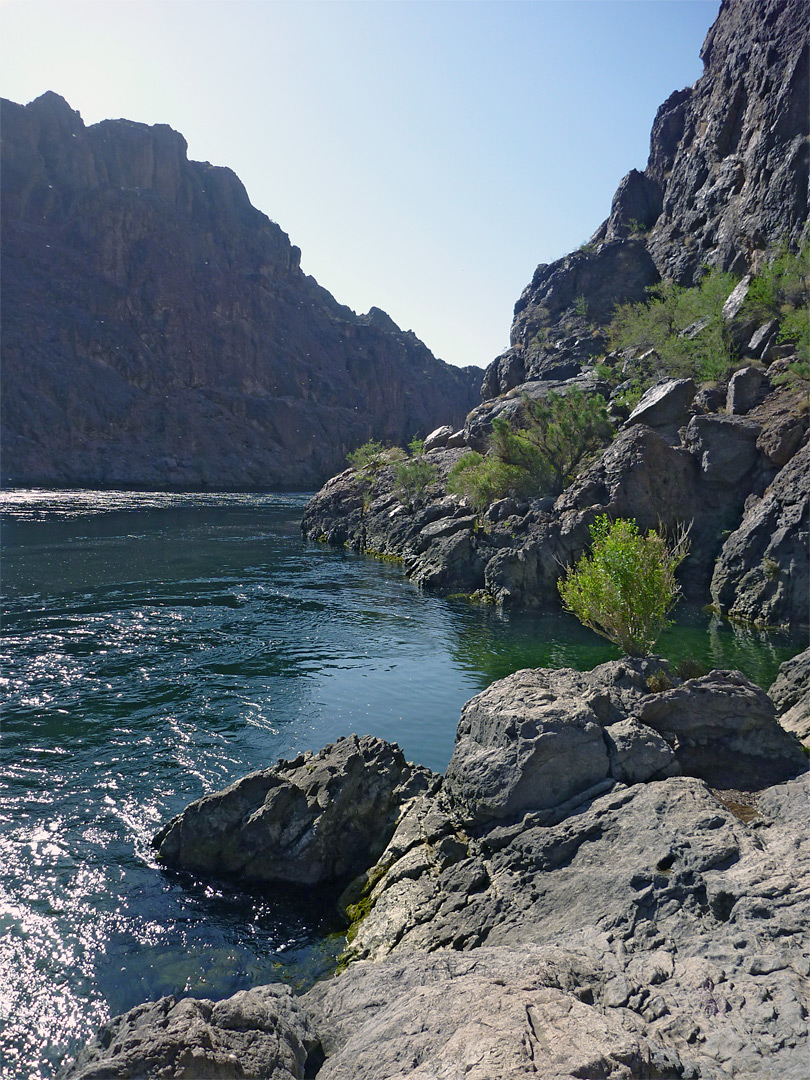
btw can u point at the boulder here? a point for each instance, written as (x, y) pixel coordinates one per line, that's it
(761, 575)
(790, 693)
(723, 729)
(539, 739)
(262, 1032)
(725, 447)
(320, 818)
(438, 437)
(665, 405)
(520, 747)
(747, 388)
(763, 338)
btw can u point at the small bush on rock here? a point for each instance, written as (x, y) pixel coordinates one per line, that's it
(370, 456)
(413, 475)
(625, 588)
(679, 329)
(541, 457)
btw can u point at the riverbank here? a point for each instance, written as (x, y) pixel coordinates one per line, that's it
(610, 880)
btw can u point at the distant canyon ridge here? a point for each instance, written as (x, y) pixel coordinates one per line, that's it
(160, 333)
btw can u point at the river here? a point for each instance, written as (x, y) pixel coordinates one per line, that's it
(157, 646)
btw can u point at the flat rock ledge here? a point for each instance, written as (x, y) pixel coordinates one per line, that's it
(599, 887)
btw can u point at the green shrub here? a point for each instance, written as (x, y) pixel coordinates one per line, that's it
(541, 457)
(684, 327)
(625, 588)
(781, 286)
(413, 475)
(483, 480)
(369, 457)
(412, 479)
(563, 430)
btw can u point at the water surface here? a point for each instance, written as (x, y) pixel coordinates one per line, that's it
(158, 646)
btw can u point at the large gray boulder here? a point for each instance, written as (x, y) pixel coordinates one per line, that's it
(790, 693)
(665, 405)
(321, 818)
(536, 740)
(544, 740)
(261, 1033)
(747, 388)
(724, 729)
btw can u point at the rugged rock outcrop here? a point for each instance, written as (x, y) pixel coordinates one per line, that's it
(762, 575)
(262, 1032)
(320, 818)
(726, 181)
(568, 906)
(707, 474)
(790, 693)
(725, 186)
(158, 330)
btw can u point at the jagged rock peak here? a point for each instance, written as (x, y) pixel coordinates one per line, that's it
(725, 184)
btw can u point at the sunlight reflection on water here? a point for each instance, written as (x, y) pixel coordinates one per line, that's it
(158, 646)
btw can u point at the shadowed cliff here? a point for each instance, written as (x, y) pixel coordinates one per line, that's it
(159, 332)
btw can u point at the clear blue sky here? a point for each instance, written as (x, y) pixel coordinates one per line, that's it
(425, 155)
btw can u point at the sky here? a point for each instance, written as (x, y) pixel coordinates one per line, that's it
(425, 155)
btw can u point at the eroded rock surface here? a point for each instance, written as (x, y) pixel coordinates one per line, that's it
(321, 818)
(261, 1034)
(562, 906)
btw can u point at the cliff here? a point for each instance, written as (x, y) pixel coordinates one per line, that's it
(725, 184)
(723, 449)
(159, 332)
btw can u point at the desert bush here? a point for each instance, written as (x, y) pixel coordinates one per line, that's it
(482, 480)
(412, 479)
(369, 457)
(412, 476)
(625, 587)
(684, 328)
(782, 291)
(542, 456)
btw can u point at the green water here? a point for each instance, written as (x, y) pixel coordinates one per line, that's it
(155, 648)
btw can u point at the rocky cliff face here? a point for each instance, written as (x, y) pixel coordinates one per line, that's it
(158, 329)
(726, 182)
(726, 185)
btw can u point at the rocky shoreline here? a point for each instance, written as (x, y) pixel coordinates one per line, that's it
(610, 880)
(741, 476)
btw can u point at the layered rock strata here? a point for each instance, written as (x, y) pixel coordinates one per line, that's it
(158, 330)
(569, 902)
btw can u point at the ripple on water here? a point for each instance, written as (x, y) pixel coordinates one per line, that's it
(158, 646)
